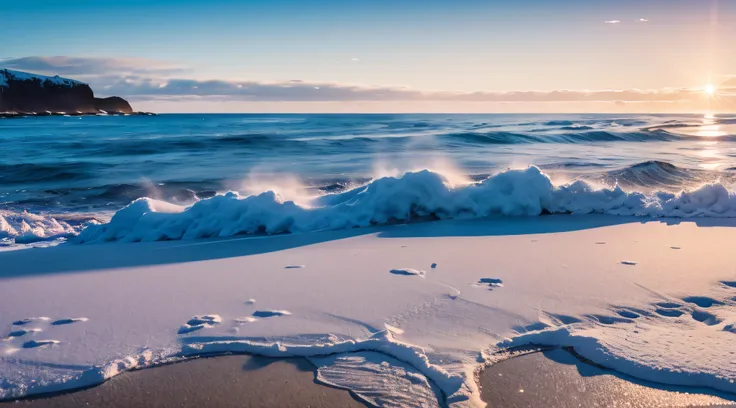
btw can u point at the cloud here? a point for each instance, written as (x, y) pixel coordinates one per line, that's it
(643, 20)
(142, 87)
(613, 22)
(730, 82)
(83, 66)
(148, 80)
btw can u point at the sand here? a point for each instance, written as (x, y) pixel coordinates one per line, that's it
(226, 381)
(552, 378)
(556, 378)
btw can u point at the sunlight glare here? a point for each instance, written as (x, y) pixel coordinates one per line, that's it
(709, 89)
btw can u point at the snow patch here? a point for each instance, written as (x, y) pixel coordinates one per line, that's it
(22, 332)
(80, 378)
(633, 355)
(703, 301)
(7, 75)
(408, 272)
(23, 322)
(271, 313)
(39, 343)
(199, 322)
(491, 282)
(69, 320)
(665, 342)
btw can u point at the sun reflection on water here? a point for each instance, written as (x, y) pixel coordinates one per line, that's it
(710, 131)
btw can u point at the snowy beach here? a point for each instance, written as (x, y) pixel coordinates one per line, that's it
(390, 204)
(94, 311)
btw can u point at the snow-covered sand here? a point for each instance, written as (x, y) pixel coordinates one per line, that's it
(498, 283)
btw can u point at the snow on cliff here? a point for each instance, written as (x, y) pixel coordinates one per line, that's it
(7, 75)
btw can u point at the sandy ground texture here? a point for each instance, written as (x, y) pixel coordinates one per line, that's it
(226, 381)
(553, 378)
(556, 378)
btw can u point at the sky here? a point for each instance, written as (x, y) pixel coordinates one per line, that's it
(384, 56)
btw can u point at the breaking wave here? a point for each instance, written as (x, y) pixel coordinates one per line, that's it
(415, 196)
(656, 175)
(27, 228)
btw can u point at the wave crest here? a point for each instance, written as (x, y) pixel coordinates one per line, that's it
(573, 135)
(26, 228)
(415, 196)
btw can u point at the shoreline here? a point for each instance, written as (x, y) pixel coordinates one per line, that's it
(569, 381)
(23, 115)
(344, 299)
(226, 380)
(543, 377)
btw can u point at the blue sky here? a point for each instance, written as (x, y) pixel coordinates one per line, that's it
(425, 46)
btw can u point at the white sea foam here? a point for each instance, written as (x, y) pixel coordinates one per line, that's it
(377, 379)
(26, 228)
(413, 196)
(457, 388)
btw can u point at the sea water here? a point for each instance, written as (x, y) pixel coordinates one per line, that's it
(73, 170)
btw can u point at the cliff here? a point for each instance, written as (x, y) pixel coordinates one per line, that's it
(27, 93)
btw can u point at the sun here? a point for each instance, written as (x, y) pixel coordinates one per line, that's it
(709, 89)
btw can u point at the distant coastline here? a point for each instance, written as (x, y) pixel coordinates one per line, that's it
(20, 115)
(24, 94)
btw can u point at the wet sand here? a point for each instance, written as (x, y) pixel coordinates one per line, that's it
(556, 378)
(226, 381)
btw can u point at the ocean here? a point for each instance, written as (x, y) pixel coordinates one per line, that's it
(404, 252)
(77, 169)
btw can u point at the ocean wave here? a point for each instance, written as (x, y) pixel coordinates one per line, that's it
(654, 174)
(11, 174)
(415, 196)
(26, 228)
(491, 137)
(582, 135)
(577, 127)
(188, 144)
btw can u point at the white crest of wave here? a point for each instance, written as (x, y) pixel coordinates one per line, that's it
(435, 163)
(286, 187)
(419, 195)
(26, 227)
